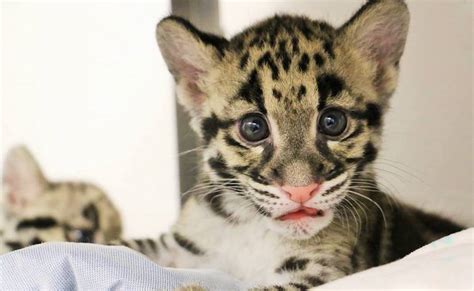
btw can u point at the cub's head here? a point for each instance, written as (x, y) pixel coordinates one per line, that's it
(37, 210)
(289, 111)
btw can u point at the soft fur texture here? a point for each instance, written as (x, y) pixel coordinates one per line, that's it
(290, 69)
(36, 210)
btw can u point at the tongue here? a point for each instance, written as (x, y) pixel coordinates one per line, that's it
(304, 212)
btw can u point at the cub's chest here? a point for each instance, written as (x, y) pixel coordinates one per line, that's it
(247, 253)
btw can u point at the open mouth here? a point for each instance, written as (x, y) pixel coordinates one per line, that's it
(300, 213)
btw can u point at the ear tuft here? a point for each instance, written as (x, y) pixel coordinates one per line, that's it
(23, 180)
(189, 54)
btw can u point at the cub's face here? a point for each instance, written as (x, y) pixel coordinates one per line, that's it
(289, 111)
(37, 210)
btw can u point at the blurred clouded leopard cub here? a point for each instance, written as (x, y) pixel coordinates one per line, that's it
(35, 210)
(290, 115)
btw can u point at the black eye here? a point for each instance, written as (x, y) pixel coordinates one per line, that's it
(332, 122)
(253, 127)
(81, 235)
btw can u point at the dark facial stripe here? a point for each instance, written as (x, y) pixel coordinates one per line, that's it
(215, 203)
(38, 223)
(265, 193)
(334, 188)
(372, 113)
(292, 264)
(220, 167)
(359, 129)
(251, 91)
(187, 244)
(232, 142)
(329, 85)
(369, 155)
(261, 210)
(210, 126)
(267, 60)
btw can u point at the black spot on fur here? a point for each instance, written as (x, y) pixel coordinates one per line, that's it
(283, 56)
(187, 244)
(374, 115)
(329, 85)
(318, 59)
(38, 223)
(251, 91)
(301, 92)
(265, 193)
(329, 49)
(276, 94)
(244, 60)
(210, 127)
(292, 264)
(295, 45)
(304, 62)
(219, 43)
(267, 60)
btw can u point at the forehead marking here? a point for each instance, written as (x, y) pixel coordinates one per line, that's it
(244, 60)
(251, 91)
(304, 62)
(318, 59)
(267, 60)
(329, 85)
(283, 56)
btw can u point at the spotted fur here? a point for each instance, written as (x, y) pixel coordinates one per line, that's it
(290, 69)
(36, 210)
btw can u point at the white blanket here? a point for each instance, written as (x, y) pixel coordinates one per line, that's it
(444, 264)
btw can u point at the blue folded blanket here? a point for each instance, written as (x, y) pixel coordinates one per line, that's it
(74, 266)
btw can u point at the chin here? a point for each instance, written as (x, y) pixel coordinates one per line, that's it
(303, 228)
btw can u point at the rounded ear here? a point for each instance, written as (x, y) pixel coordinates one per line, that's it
(23, 180)
(379, 31)
(189, 55)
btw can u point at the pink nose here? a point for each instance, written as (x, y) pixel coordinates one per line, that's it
(301, 194)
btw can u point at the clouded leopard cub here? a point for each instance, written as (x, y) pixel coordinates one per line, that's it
(35, 210)
(290, 115)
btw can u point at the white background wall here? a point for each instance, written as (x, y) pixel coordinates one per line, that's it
(84, 86)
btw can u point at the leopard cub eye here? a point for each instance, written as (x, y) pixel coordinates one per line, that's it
(332, 122)
(253, 128)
